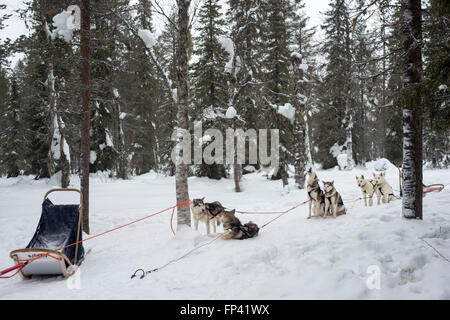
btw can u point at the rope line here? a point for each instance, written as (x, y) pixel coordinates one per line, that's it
(23, 262)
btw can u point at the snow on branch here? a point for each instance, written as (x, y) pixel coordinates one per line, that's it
(66, 23)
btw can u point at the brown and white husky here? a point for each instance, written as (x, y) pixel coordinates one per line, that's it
(316, 196)
(200, 212)
(333, 203)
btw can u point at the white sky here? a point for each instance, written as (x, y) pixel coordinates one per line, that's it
(16, 27)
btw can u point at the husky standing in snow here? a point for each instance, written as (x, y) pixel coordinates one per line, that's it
(333, 204)
(384, 187)
(200, 212)
(368, 188)
(316, 196)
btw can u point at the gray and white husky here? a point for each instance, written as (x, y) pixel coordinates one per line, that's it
(316, 196)
(233, 227)
(368, 189)
(333, 200)
(384, 187)
(200, 213)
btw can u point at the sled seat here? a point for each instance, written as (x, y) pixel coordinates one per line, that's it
(55, 248)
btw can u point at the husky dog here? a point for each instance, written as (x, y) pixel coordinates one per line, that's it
(384, 187)
(333, 203)
(234, 229)
(368, 188)
(315, 195)
(203, 212)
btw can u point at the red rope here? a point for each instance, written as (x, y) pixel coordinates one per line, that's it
(21, 265)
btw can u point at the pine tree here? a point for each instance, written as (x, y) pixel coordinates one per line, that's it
(337, 88)
(12, 136)
(209, 90)
(436, 83)
(276, 74)
(302, 67)
(243, 71)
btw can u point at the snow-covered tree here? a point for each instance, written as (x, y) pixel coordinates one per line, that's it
(209, 81)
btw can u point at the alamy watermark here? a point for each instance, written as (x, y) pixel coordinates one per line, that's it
(187, 151)
(373, 281)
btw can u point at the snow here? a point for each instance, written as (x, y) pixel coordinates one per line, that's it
(231, 113)
(442, 87)
(66, 22)
(55, 147)
(93, 156)
(296, 55)
(109, 142)
(380, 165)
(303, 67)
(292, 258)
(287, 111)
(148, 38)
(228, 45)
(342, 160)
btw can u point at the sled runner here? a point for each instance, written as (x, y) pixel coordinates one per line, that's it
(55, 248)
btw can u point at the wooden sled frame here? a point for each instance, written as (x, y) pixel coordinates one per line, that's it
(58, 259)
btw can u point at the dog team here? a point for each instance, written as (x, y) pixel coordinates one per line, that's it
(322, 203)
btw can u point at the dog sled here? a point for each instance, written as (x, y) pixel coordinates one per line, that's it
(56, 247)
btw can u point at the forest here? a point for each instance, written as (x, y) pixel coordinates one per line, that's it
(346, 84)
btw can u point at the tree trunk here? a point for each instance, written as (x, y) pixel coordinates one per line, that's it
(237, 167)
(383, 90)
(412, 123)
(181, 170)
(86, 110)
(299, 127)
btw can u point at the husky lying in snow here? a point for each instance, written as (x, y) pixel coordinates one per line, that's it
(234, 229)
(384, 187)
(368, 188)
(206, 213)
(316, 196)
(333, 203)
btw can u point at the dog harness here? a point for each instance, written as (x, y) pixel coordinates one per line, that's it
(316, 187)
(213, 209)
(374, 185)
(390, 194)
(249, 230)
(340, 201)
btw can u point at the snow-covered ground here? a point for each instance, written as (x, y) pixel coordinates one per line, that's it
(292, 258)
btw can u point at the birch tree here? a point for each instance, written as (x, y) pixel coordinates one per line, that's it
(412, 109)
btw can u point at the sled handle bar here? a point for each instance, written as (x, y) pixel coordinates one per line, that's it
(65, 189)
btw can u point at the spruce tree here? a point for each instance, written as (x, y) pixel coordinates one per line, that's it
(209, 90)
(336, 89)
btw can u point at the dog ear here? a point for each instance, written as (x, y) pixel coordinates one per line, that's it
(383, 174)
(332, 182)
(356, 177)
(233, 212)
(203, 199)
(362, 176)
